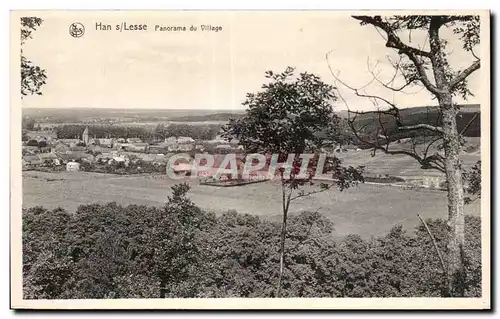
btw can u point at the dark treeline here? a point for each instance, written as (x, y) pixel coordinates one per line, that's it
(206, 117)
(468, 122)
(111, 251)
(204, 132)
(197, 132)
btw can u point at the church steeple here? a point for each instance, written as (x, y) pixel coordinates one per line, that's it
(85, 136)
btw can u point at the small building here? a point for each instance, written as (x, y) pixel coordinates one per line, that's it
(48, 157)
(170, 141)
(32, 160)
(72, 167)
(185, 140)
(139, 147)
(105, 142)
(71, 142)
(134, 140)
(185, 147)
(173, 147)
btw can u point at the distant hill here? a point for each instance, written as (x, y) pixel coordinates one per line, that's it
(469, 115)
(80, 115)
(207, 117)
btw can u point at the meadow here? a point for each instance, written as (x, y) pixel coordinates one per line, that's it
(367, 210)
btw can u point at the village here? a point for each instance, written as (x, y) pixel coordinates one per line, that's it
(44, 151)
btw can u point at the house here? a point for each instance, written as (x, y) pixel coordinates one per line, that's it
(32, 149)
(60, 147)
(158, 148)
(173, 147)
(120, 159)
(182, 168)
(74, 156)
(47, 156)
(105, 142)
(133, 140)
(185, 147)
(77, 148)
(139, 147)
(97, 148)
(185, 140)
(104, 157)
(32, 160)
(72, 142)
(72, 167)
(170, 141)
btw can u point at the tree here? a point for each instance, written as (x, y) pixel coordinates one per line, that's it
(32, 76)
(473, 183)
(175, 245)
(32, 143)
(42, 144)
(28, 123)
(410, 70)
(288, 118)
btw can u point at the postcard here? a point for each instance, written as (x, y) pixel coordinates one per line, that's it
(250, 160)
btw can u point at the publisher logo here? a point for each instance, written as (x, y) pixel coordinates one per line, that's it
(76, 30)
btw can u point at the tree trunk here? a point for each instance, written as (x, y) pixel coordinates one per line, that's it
(163, 289)
(286, 203)
(452, 163)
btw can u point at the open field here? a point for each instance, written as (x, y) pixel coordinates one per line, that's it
(401, 165)
(366, 210)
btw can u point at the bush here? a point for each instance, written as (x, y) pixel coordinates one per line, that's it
(113, 251)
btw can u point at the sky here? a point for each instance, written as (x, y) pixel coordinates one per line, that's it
(210, 70)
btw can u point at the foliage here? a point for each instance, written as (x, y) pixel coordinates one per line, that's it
(112, 251)
(468, 122)
(197, 132)
(205, 132)
(28, 123)
(32, 143)
(291, 116)
(473, 181)
(32, 76)
(208, 117)
(286, 116)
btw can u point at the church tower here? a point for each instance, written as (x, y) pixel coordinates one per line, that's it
(85, 136)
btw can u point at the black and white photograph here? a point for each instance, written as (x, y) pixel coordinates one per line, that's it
(312, 159)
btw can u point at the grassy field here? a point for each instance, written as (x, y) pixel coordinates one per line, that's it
(401, 165)
(366, 210)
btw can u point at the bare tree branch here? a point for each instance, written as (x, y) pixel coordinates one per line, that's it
(393, 41)
(421, 126)
(465, 73)
(466, 127)
(310, 193)
(414, 54)
(435, 244)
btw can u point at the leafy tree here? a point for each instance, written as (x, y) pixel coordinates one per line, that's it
(32, 143)
(42, 144)
(288, 117)
(174, 248)
(473, 179)
(411, 69)
(32, 76)
(113, 251)
(28, 123)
